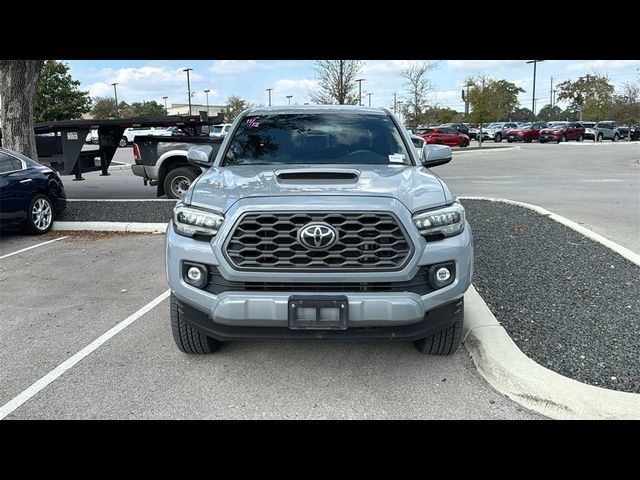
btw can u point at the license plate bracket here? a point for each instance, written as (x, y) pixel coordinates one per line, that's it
(318, 312)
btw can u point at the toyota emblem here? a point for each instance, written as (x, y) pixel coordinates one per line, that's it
(317, 236)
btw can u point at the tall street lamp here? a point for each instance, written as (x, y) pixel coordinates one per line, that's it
(269, 90)
(207, 94)
(289, 98)
(188, 87)
(369, 95)
(360, 80)
(166, 110)
(115, 92)
(533, 100)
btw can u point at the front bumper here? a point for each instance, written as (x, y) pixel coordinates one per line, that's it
(433, 321)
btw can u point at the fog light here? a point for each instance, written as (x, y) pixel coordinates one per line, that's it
(195, 275)
(442, 274)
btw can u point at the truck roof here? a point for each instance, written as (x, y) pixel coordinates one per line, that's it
(280, 109)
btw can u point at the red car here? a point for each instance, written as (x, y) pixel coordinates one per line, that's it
(561, 132)
(525, 133)
(444, 136)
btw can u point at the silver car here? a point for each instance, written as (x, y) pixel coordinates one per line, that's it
(318, 222)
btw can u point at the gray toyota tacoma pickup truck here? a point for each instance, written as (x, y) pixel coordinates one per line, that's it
(318, 223)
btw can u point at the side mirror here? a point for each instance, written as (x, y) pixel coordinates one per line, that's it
(433, 155)
(201, 156)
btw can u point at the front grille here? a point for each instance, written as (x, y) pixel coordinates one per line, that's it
(366, 241)
(418, 284)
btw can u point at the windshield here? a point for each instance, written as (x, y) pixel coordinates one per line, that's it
(423, 131)
(523, 126)
(317, 138)
(217, 129)
(557, 126)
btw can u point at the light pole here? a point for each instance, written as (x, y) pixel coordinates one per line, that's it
(400, 114)
(533, 100)
(115, 92)
(188, 87)
(269, 90)
(207, 94)
(369, 95)
(466, 101)
(289, 98)
(166, 110)
(360, 80)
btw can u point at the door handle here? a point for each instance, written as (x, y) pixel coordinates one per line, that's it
(26, 180)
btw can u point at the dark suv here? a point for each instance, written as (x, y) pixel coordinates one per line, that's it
(461, 127)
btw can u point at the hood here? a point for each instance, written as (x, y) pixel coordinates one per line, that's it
(220, 187)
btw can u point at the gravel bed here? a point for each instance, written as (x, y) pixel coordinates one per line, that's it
(569, 303)
(133, 211)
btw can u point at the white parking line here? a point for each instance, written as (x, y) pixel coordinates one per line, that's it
(33, 246)
(21, 398)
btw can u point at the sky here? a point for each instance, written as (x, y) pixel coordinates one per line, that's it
(140, 80)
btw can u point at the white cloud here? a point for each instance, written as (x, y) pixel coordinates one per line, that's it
(237, 67)
(602, 65)
(299, 89)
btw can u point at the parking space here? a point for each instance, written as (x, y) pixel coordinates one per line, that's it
(59, 298)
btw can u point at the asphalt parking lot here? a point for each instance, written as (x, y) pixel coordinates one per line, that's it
(59, 297)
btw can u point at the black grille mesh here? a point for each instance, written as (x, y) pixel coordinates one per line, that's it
(365, 241)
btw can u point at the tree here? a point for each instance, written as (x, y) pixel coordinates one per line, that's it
(104, 107)
(626, 106)
(418, 86)
(337, 82)
(18, 84)
(143, 109)
(440, 115)
(591, 96)
(235, 106)
(58, 96)
(522, 114)
(492, 100)
(549, 113)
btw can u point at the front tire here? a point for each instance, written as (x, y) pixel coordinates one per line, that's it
(599, 138)
(563, 139)
(464, 143)
(445, 342)
(39, 215)
(580, 138)
(178, 181)
(498, 138)
(123, 142)
(615, 137)
(188, 339)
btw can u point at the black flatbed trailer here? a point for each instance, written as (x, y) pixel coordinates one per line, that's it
(63, 150)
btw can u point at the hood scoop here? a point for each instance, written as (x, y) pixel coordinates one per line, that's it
(318, 175)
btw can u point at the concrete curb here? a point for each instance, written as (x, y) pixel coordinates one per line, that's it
(488, 149)
(619, 249)
(512, 373)
(112, 227)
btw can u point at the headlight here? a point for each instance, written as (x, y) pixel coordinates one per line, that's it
(447, 221)
(190, 221)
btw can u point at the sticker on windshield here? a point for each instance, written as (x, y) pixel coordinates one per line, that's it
(396, 158)
(253, 122)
